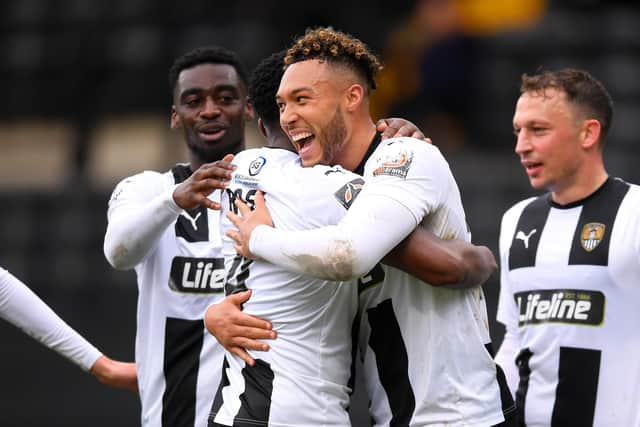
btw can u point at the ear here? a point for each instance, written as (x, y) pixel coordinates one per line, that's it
(175, 119)
(591, 130)
(248, 110)
(355, 95)
(263, 130)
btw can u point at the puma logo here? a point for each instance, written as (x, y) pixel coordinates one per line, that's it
(192, 220)
(525, 237)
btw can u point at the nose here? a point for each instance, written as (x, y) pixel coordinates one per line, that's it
(287, 115)
(210, 108)
(523, 143)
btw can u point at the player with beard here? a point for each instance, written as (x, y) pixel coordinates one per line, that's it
(303, 378)
(166, 227)
(426, 349)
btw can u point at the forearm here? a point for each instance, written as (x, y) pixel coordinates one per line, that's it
(24, 309)
(342, 252)
(134, 229)
(452, 263)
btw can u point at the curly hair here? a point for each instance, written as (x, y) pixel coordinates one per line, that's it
(263, 86)
(206, 55)
(582, 90)
(333, 46)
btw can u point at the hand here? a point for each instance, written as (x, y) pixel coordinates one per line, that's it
(194, 191)
(396, 127)
(247, 222)
(115, 374)
(235, 330)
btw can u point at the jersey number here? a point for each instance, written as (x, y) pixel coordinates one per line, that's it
(237, 195)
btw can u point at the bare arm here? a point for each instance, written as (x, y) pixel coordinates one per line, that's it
(115, 374)
(438, 262)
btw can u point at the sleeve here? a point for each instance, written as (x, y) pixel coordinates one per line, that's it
(371, 228)
(139, 212)
(410, 172)
(24, 309)
(507, 313)
(407, 181)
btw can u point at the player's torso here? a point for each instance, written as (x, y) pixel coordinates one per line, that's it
(178, 361)
(574, 272)
(304, 374)
(426, 361)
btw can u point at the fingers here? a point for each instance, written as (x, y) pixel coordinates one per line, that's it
(242, 354)
(239, 298)
(381, 125)
(259, 200)
(236, 220)
(243, 208)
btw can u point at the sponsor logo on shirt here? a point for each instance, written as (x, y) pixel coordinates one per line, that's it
(570, 306)
(247, 181)
(256, 166)
(396, 165)
(525, 237)
(591, 235)
(197, 275)
(348, 192)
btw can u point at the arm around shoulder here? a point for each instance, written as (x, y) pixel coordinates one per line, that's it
(452, 263)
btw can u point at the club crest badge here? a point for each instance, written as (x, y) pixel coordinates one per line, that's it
(256, 166)
(591, 235)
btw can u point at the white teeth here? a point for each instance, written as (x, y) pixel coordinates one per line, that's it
(301, 135)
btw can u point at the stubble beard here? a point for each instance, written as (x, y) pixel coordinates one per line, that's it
(334, 139)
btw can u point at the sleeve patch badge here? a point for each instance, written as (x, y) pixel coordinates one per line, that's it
(256, 166)
(348, 192)
(395, 164)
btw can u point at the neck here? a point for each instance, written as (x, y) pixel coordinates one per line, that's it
(356, 147)
(586, 182)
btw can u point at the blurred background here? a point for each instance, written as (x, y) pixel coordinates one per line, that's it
(85, 103)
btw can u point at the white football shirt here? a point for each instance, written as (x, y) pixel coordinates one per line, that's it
(426, 354)
(302, 379)
(180, 272)
(569, 288)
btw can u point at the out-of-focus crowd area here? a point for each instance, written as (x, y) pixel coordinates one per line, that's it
(86, 102)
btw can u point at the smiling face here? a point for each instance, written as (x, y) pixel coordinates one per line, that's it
(548, 133)
(210, 106)
(310, 99)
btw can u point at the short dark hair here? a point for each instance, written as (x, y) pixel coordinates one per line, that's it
(583, 90)
(206, 55)
(263, 86)
(336, 47)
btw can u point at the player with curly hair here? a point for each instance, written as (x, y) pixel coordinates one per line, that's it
(426, 349)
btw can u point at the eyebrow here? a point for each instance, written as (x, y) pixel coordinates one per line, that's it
(198, 90)
(296, 91)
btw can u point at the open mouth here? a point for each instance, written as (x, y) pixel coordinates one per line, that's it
(532, 167)
(301, 139)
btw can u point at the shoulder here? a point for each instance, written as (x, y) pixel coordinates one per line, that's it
(255, 159)
(147, 182)
(397, 156)
(513, 213)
